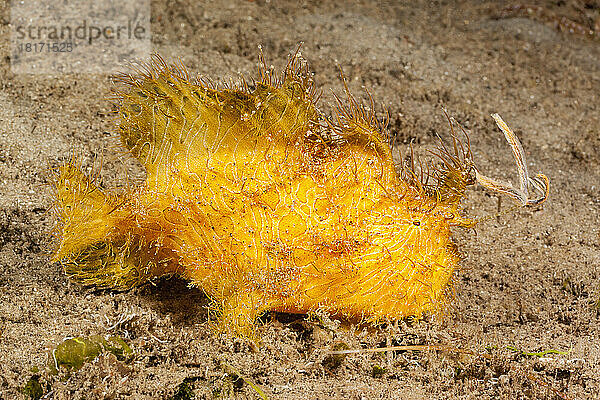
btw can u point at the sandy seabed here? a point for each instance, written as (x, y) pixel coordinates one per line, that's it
(528, 280)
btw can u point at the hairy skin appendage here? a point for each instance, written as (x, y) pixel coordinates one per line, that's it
(265, 204)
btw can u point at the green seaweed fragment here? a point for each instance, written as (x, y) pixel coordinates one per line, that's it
(184, 391)
(334, 361)
(33, 388)
(378, 371)
(237, 380)
(118, 347)
(537, 354)
(73, 353)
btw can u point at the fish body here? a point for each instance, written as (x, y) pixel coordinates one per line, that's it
(256, 198)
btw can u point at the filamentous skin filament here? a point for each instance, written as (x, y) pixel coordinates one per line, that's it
(265, 204)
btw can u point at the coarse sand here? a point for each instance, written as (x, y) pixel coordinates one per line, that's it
(528, 282)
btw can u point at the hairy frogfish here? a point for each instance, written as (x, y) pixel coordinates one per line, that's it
(265, 204)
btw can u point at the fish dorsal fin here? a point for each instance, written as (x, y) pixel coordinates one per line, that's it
(178, 127)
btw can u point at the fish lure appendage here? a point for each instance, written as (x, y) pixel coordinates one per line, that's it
(256, 198)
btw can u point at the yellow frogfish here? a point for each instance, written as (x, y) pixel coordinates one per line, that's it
(257, 198)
